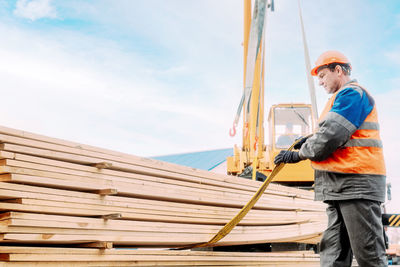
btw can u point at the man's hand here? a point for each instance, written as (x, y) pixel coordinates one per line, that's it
(301, 142)
(287, 157)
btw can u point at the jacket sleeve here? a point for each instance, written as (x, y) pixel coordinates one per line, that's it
(348, 112)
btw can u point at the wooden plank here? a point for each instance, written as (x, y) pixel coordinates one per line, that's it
(274, 216)
(126, 215)
(28, 179)
(164, 166)
(88, 174)
(153, 257)
(113, 209)
(135, 226)
(74, 182)
(158, 192)
(42, 220)
(108, 173)
(273, 233)
(116, 176)
(70, 208)
(30, 226)
(200, 211)
(106, 192)
(208, 263)
(104, 257)
(162, 263)
(101, 245)
(114, 232)
(138, 160)
(276, 234)
(186, 193)
(19, 191)
(99, 213)
(71, 158)
(121, 251)
(102, 165)
(36, 228)
(55, 183)
(111, 216)
(148, 169)
(167, 258)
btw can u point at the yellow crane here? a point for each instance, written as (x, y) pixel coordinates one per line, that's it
(286, 122)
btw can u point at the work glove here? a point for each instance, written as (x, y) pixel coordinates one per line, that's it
(286, 156)
(301, 142)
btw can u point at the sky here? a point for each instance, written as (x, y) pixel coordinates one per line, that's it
(161, 77)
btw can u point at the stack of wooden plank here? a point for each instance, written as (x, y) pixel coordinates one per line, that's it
(70, 257)
(394, 249)
(54, 192)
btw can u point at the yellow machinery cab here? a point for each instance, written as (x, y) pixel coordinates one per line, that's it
(287, 122)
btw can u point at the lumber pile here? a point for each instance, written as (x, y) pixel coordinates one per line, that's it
(114, 257)
(394, 249)
(60, 193)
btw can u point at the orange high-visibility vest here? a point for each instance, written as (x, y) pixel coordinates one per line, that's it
(362, 154)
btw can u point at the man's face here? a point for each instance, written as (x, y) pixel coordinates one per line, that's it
(329, 80)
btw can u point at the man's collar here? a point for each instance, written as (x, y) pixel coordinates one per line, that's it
(351, 81)
(345, 85)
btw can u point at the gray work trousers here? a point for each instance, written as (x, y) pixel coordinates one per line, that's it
(354, 226)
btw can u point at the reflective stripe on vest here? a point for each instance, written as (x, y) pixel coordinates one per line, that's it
(367, 125)
(363, 153)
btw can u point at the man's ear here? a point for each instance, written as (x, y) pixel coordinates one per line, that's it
(339, 69)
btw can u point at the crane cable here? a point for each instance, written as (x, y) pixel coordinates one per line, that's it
(310, 80)
(255, 39)
(242, 213)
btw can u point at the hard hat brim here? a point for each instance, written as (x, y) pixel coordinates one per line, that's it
(314, 71)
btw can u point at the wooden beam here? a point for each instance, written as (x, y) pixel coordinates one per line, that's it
(152, 165)
(56, 195)
(101, 245)
(180, 193)
(111, 216)
(289, 233)
(102, 165)
(106, 192)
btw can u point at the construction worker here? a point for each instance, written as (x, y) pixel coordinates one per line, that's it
(346, 154)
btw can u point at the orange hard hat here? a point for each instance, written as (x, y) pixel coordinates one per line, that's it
(327, 58)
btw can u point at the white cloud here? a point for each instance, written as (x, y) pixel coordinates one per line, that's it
(35, 9)
(90, 90)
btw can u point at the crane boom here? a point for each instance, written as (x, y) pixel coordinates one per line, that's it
(254, 152)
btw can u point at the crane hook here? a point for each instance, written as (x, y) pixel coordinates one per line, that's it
(232, 131)
(255, 143)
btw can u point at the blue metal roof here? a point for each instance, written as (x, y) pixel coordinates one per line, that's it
(205, 160)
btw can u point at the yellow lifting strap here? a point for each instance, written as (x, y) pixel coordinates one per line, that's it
(230, 225)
